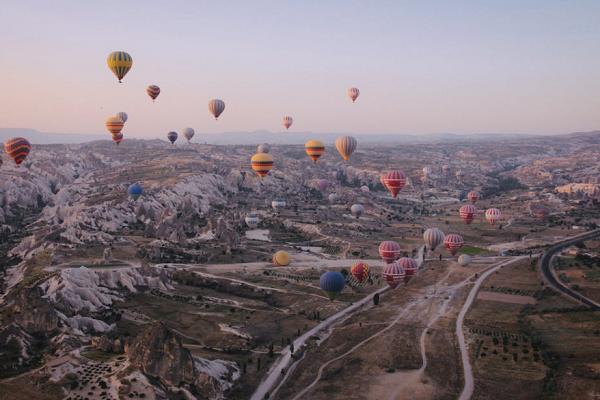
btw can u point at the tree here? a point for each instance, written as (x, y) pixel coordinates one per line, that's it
(376, 299)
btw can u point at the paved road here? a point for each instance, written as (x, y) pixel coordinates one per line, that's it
(550, 276)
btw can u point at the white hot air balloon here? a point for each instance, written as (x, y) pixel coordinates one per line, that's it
(353, 93)
(357, 210)
(188, 133)
(252, 220)
(263, 148)
(464, 260)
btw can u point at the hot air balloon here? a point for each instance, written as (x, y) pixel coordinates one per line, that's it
(433, 237)
(365, 189)
(464, 260)
(117, 138)
(467, 213)
(345, 145)
(353, 93)
(252, 220)
(261, 163)
(426, 171)
(278, 204)
(538, 211)
(122, 115)
(493, 215)
(394, 274)
(188, 133)
(389, 251)
(17, 148)
(357, 210)
(473, 196)
(153, 91)
(172, 136)
(333, 197)
(263, 148)
(321, 184)
(409, 265)
(360, 271)
(114, 124)
(119, 63)
(453, 242)
(314, 149)
(135, 191)
(287, 121)
(332, 283)
(394, 181)
(281, 258)
(216, 107)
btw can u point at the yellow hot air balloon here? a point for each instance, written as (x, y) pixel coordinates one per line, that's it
(114, 124)
(261, 163)
(281, 258)
(314, 149)
(119, 63)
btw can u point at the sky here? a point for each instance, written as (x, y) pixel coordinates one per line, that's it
(422, 66)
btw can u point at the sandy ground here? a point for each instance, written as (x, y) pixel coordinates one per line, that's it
(505, 298)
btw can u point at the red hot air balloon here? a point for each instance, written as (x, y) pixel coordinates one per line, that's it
(394, 181)
(394, 274)
(473, 196)
(153, 91)
(389, 251)
(493, 215)
(409, 265)
(17, 148)
(360, 271)
(467, 213)
(453, 242)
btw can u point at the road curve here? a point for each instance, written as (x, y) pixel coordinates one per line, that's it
(467, 391)
(548, 272)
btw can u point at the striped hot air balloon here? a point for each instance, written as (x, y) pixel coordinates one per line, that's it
(17, 148)
(153, 91)
(357, 210)
(453, 242)
(433, 237)
(122, 115)
(287, 121)
(360, 271)
(135, 191)
(188, 133)
(117, 138)
(389, 251)
(493, 215)
(394, 274)
(119, 63)
(410, 266)
(281, 259)
(332, 283)
(394, 181)
(473, 196)
(263, 148)
(278, 204)
(353, 93)
(261, 163)
(114, 124)
(172, 136)
(464, 260)
(216, 107)
(252, 220)
(345, 145)
(467, 213)
(333, 197)
(314, 149)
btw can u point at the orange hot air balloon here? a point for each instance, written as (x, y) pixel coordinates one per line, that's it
(261, 163)
(18, 149)
(114, 124)
(360, 272)
(314, 149)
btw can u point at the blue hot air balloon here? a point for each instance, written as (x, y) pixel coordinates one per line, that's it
(135, 191)
(332, 283)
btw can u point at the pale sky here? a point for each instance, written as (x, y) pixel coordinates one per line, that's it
(421, 66)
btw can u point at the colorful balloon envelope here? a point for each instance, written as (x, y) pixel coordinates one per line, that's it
(473, 196)
(216, 107)
(394, 274)
(119, 63)
(453, 242)
(360, 271)
(172, 136)
(188, 133)
(332, 283)
(18, 149)
(467, 213)
(389, 251)
(252, 220)
(278, 205)
(353, 93)
(261, 163)
(357, 210)
(394, 181)
(117, 138)
(114, 124)
(122, 115)
(433, 237)
(281, 259)
(153, 91)
(345, 145)
(314, 149)
(263, 148)
(287, 121)
(135, 191)
(493, 215)
(409, 265)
